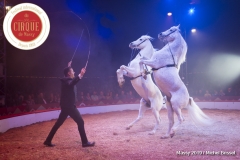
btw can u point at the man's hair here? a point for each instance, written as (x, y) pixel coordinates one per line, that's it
(66, 70)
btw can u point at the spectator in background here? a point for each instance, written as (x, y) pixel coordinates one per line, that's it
(130, 96)
(229, 92)
(200, 93)
(207, 94)
(57, 98)
(94, 96)
(21, 100)
(34, 98)
(101, 96)
(81, 97)
(221, 93)
(215, 93)
(109, 96)
(88, 97)
(30, 100)
(122, 95)
(116, 97)
(51, 98)
(41, 99)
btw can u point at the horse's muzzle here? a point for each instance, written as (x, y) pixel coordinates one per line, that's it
(131, 45)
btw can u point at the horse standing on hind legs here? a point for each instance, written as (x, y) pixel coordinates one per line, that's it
(151, 95)
(165, 64)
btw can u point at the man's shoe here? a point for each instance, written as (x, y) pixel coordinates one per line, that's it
(49, 144)
(88, 144)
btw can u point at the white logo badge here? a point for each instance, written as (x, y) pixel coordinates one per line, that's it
(26, 26)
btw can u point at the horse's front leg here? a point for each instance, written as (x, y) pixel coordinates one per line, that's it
(120, 77)
(153, 63)
(142, 70)
(131, 72)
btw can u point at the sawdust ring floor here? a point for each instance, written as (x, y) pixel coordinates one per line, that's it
(114, 142)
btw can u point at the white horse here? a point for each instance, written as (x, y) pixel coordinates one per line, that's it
(151, 96)
(166, 63)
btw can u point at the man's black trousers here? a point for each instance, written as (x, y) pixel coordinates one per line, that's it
(75, 115)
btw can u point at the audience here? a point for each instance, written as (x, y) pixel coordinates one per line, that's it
(221, 93)
(30, 101)
(51, 98)
(123, 95)
(207, 94)
(101, 96)
(116, 97)
(94, 96)
(81, 97)
(114, 93)
(229, 92)
(41, 99)
(88, 97)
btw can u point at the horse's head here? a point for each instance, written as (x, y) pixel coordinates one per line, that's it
(141, 42)
(170, 34)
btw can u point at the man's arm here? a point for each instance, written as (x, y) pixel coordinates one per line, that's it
(76, 79)
(83, 71)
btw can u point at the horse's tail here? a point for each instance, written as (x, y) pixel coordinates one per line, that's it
(197, 115)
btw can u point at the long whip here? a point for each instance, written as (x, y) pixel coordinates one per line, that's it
(77, 45)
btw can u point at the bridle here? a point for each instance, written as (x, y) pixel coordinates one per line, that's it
(174, 63)
(133, 54)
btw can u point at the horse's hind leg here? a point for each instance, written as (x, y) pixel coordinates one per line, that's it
(170, 119)
(177, 109)
(156, 115)
(142, 109)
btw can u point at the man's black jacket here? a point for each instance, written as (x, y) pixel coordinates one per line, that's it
(68, 91)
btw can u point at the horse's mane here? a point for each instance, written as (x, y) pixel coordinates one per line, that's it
(147, 37)
(182, 57)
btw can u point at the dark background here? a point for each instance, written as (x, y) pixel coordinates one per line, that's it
(213, 57)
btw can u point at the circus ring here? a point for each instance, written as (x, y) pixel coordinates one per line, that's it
(22, 135)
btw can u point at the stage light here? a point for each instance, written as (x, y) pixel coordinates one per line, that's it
(193, 30)
(191, 11)
(224, 68)
(169, 14)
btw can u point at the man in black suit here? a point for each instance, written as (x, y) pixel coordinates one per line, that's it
(68, 108)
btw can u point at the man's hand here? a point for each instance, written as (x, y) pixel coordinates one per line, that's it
(69, 64)
(82, 72)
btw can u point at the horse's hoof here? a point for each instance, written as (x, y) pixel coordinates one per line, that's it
(165, 137)
(151, 133)
(172, 134)
(122, 67)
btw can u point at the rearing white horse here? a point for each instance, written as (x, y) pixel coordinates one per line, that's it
(151, 96)
(166, 63)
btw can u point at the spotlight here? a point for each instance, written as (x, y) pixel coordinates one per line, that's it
(191, 11)
(169, 14)
(193, 30)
